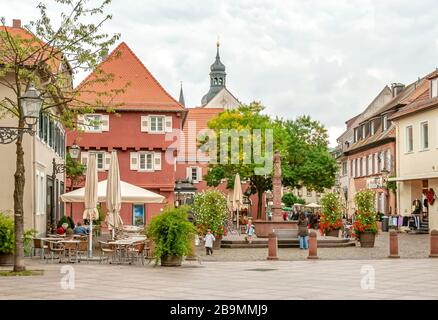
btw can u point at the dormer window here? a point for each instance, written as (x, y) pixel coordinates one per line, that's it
(372, 127)
(364, 134)
(385, 122)
(356, 135)
(434, 88)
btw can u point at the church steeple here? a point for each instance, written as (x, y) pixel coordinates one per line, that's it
(181, 97)
(217, 77)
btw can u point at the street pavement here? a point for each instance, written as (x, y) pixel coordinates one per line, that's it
(307, 279)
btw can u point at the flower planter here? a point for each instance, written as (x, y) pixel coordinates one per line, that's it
(367, 239)
(332, 233)
(6, 259)
(171, 261)
(217, 243)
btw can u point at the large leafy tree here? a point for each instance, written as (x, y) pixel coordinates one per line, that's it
(249, 119)
(306, 160)
(48, 55)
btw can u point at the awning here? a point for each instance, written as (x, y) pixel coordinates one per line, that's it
(129, 192)
(415, 177)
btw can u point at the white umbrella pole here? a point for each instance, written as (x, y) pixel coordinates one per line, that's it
(114, 224)
(238, 230)
(90, 239)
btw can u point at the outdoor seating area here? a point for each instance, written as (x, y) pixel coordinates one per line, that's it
(125, 249)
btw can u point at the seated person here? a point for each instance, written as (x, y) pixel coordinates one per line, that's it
(69, 234)
(79, 229)
(61, 230)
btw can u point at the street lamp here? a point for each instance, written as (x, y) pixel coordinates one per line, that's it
(57, 168)
(30, 103)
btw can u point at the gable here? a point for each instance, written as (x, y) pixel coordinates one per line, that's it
(223, 99)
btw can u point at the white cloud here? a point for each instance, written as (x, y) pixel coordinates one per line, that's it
(324, 58)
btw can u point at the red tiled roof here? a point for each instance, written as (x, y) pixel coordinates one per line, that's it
(33, 43)
(143, 92)
(415, 107)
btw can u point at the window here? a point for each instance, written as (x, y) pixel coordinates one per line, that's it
(309, 193)
(388, 160)
(409, 139)
(93, 122)
(100, 160)
(145, 161)
(194, 174)
(344, 168)
(424, 135)
(385, 122)
(381, 161)
(364, 166)
(357, 167)
(434, 88)
(370, 165)
(356, 135)
(376, 163)
(372, 127)
(353, 168)
(364, 133)
(138, 215)
(157, 124)
(40, 193)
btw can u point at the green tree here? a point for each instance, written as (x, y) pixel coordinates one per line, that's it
(306, 160)
(48, 57)
(246, 119)
(289, 199)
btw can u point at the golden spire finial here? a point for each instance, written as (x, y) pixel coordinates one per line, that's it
(217, 43)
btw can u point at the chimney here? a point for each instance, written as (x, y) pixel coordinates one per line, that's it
(16, 23)
(397, 88)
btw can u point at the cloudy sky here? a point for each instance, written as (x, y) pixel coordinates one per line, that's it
(328, 59)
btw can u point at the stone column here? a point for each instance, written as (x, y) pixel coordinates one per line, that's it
(276, 189)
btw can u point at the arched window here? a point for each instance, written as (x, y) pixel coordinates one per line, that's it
(215, 81)
(220, 81)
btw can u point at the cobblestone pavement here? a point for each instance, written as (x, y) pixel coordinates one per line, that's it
(410, 246)
(310, 279)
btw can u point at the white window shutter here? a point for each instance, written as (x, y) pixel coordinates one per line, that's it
(168, 124)
(199, 173)
(105, 122)
(189, 173)
(81, 122)
(107, 160)
(144, 124)
(157, 160)
(133, 161)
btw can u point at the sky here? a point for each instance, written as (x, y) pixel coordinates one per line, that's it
(327, 59)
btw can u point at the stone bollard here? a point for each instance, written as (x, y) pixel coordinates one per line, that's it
(393, 244)
(434, 244)
(313, 246)
(272, 247)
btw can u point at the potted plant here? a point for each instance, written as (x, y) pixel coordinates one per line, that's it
(330, 221)
(365, 225)
(7, 242)
(210, 210)
(171, 233)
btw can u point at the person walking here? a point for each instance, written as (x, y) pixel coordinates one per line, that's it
(303, 231)
(249, 231)
(208, 242)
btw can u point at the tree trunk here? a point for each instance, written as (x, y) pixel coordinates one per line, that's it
(19, 180)
(259, 204)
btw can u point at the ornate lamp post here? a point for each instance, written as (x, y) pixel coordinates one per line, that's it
(59, 168)
(31, 103)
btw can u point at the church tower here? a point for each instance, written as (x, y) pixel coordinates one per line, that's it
(217, 78)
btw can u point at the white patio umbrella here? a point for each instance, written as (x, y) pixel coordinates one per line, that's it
(113, 194)
(90, 198)
(312, 205)
(129, 192)
(237, 199)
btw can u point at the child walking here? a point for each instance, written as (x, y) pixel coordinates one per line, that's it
(208, 240)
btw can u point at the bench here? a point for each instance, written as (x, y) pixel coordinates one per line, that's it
(286, 233)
